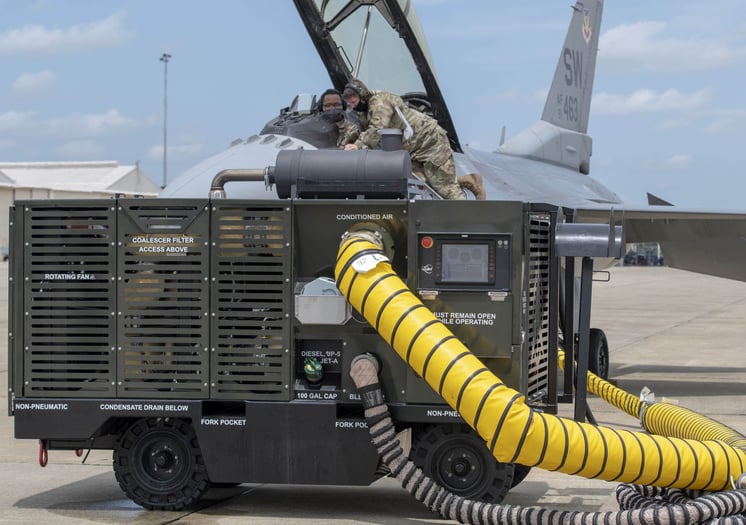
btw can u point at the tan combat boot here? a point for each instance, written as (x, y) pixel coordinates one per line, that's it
(473, 183)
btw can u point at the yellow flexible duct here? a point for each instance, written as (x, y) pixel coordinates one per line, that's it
(671, 420)
(663, 419)
(513, 432)
(612, 394)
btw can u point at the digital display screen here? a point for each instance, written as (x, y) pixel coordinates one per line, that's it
(465, 263)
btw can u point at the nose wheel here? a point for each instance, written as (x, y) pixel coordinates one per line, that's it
(598, 355)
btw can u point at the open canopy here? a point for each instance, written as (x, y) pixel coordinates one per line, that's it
(381, 43)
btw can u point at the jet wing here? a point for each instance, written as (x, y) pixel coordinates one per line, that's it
(712, 243)
(381, 43)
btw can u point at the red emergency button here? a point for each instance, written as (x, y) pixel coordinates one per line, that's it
(427, 242)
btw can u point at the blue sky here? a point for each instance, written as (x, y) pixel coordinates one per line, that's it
(82, 80)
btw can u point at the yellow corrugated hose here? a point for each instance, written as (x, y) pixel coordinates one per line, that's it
(612, 394)
(512, 430)
(661, 418)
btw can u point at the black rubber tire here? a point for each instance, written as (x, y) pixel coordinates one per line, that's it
(456, 457)
(598, 354)
(519, 473)
(159, 465)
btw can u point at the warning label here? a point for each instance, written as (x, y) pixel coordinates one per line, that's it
(468, 318)
(163, 244)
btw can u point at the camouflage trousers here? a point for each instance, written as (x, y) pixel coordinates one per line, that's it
(440, 178)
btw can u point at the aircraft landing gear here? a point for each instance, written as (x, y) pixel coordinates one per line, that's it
(598, 355)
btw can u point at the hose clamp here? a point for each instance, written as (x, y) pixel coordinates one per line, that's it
(368, 235)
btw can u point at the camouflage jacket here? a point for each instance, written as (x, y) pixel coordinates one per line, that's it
(428, 143)
(349, 131)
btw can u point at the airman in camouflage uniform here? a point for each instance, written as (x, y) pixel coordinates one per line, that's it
(426, 142)
(348, 131)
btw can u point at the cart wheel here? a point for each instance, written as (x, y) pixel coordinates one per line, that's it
(598, 355)
(457, 458)
(519, 473)
(159, 465)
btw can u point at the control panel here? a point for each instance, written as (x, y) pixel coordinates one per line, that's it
(464, 262)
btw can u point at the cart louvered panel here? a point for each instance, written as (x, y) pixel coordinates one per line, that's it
(69, 279)
(252, 301)
(163, 299)
(538, 304)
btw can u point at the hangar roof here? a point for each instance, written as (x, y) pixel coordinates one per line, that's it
(85, 177)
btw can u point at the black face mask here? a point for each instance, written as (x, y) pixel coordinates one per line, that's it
(333, 115)
(362, 106)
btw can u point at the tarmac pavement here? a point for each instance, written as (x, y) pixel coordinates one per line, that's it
(678, 333)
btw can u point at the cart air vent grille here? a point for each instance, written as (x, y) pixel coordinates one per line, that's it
(69, 334)
(252, 302)
(163, 308)
(538, 305)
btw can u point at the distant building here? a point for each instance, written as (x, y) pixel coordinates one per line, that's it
(643, 254)
(68, 180)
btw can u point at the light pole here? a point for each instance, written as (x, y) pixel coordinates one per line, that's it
(164, 58)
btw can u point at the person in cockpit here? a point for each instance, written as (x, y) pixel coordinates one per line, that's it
(333, 109)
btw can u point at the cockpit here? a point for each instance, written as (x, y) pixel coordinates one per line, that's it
(303, 120)
(377, 41)
(381, 43)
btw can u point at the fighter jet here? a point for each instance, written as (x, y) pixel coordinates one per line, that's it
(381, 42)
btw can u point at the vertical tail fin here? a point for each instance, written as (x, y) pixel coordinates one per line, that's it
(569, 101)
(561, 136)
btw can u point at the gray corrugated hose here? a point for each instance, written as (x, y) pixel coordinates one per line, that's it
(640, 505)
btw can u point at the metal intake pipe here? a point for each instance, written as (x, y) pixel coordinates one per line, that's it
(217, 188)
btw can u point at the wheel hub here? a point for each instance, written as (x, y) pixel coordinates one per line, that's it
(461, 468)
(164, 459)
(162, 462)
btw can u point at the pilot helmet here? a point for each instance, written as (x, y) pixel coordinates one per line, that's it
(356, 87)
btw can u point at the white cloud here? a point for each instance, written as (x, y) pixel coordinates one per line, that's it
(79, 126)
(540, 95)
(508, 95)
(14, 121)
(515, 94)
(674, 123)
(726, 122)
(177, 151)
(81, 149)
(37, 39)
(645, 46)
(33, 82)
(91, 124)
(648, 101)
(678, 162)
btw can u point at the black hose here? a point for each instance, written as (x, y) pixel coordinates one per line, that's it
(639, 505)
(638, 496)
